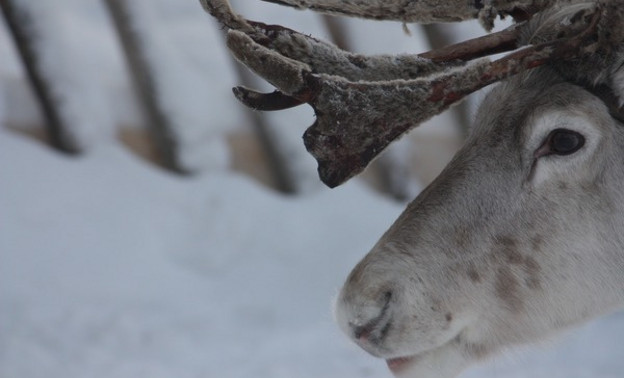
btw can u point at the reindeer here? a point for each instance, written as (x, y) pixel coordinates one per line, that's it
(521, 234)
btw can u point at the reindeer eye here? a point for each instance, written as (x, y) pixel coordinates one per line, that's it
(565, 142)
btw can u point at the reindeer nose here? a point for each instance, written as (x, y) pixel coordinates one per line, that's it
(375, 328)
(369, 320)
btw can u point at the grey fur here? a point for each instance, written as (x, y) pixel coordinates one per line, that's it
(512, 254)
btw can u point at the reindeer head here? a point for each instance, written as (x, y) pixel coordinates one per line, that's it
(520, 235)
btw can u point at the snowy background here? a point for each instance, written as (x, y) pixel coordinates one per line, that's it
(112, 267)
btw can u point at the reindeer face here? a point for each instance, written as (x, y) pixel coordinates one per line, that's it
(508, 244)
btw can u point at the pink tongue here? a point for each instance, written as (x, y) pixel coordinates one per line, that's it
(396, 365)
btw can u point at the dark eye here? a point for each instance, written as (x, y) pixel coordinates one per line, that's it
(565, 142)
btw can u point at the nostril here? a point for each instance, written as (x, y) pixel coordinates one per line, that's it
(387, 297)
(385, 300)
(363, 332)
(375, 329)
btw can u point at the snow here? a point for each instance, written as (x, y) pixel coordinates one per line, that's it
(110, 267)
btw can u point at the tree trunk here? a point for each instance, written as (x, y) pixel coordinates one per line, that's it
(438, 37)
(280, 172)
(21, 25)
(142, 73)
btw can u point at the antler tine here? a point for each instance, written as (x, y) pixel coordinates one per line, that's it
(323, 58)
(287, 74)
(494, 43)
(423, 11)
(326, 58)
(275, 100)
(356, 67)
(320, 56)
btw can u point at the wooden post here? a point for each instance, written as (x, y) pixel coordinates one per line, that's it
(142, 73)
(23, 30)
(281, 174)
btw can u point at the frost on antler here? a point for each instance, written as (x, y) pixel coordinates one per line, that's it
(362, 103)
(422, 11)
(599, 60)
(325, 58)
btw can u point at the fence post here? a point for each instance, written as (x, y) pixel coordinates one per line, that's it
(21, 25)
(142, 74)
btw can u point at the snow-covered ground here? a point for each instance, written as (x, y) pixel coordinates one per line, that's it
(110, 267)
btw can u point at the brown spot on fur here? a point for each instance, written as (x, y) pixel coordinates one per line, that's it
(462, 236)
(507, 289)
(532, 269)
(449, 317)
(506, 241)
(509, 249)
(531, 266)
(513, 256)
(536, 242)
(474, 275)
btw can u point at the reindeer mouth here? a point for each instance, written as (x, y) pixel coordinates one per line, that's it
(399, 364)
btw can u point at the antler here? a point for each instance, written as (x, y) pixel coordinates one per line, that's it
(362, 103)
(423, 11)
